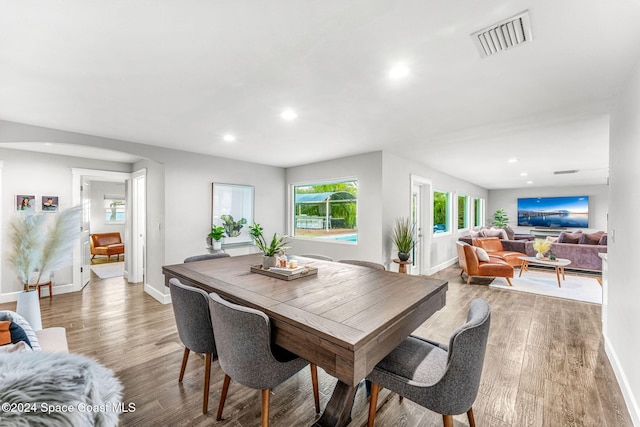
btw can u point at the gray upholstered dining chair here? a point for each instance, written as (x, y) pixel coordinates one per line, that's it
(368, 264)
(317, 256)
(206, 256)
(444, 379)
(191, 310)
(246, 354)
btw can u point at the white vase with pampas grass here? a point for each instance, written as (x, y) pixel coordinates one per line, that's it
(40, 246)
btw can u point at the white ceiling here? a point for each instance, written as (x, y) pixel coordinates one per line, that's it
(181, 74)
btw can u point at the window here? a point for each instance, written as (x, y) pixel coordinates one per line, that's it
(326, 211)
(115, 209)
(441, 212)
(463, 218)
(477, 212)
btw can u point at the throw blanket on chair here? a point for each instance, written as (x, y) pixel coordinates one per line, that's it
(45, 381)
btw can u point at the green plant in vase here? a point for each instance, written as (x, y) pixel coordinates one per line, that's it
(403, 238)
(269, 249)
(216, 235)
(500, 218)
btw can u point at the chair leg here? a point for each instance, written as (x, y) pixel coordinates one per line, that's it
(472, 421)
(447, 420)
(266, 394)
(468, 279)
(373, 402)
(314, 383)
(207, 378)
(185, 357)
(223, 396)
(509, 281)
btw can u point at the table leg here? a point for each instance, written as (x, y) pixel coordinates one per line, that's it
(523, 267)
(558, 275)
(338, 410)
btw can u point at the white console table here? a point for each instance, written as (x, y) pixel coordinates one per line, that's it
(544, 232)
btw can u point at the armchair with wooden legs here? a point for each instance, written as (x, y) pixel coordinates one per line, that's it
(472, 266)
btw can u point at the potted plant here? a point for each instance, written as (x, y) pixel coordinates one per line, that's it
(541, 246)
(500, 218)
(37, 250)
(269, 249)
(216, 235)
(403, 238)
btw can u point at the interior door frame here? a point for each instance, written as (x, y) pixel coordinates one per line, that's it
(425, 210)
(77, 175)
(136, 200)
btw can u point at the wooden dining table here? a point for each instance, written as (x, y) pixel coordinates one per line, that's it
(345, 318)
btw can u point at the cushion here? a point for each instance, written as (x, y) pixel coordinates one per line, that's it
(589, 239)
(18, 334)
(19, 347)
(552, 239)
(565, 237)
(481, 254)
(5, 334)
(603, 240)
(510, 233)
(474, 234)
(16, 318)
(495, 232)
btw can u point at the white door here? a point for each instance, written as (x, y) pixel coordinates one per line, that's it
(137, 214)
(85, 235)
(421, 219)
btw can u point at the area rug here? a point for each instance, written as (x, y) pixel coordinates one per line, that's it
(578, 288)
(111, 269)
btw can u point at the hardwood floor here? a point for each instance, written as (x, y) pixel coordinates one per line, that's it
(545, 363)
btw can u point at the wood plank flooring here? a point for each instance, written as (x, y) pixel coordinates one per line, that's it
(545, 363)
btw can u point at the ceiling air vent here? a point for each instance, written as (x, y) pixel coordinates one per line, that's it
(565, 172)
(503, 35)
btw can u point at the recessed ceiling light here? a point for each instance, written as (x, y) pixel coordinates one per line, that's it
(513, 160)
(399, 71)
(48, 144)
(529, 182)
(289, 114)
(523, 174)
(229, 137)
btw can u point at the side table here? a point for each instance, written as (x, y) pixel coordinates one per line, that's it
(402, 265)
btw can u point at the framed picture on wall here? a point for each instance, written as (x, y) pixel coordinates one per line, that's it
(25, 202)
(49, 203)
(232, 208)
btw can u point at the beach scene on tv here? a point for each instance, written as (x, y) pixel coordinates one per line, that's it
(571, 212)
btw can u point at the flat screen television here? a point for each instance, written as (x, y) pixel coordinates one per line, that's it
(556, 212)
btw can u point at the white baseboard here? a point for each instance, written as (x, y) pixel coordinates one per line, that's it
(442, 266)
(57, 289)
(627, 393)
(162, 298)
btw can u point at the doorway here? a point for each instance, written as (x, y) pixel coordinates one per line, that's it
(421, 217)
(133, 193)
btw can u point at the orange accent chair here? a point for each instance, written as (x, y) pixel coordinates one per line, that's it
(472, 266)
(494, 248)
(106, 244)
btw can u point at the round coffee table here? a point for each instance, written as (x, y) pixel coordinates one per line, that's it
(559, 264)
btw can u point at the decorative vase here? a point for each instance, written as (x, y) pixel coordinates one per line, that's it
(268, 261)
(217, 245)
(28, 306)
(404, 256)
(539, 255)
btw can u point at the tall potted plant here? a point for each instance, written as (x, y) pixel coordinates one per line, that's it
(500, 218)
(269, 249)
(403, 238)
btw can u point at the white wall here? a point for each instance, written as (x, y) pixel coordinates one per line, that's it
(622, 340)
(366, 168)
(39, 174)
(179, 193)
(97, 191)
(508, 199)
(397, 173)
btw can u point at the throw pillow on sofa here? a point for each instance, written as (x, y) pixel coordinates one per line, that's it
(603, 240)
(574, 237)
(590, 239)
(22, 322)
(481, 254)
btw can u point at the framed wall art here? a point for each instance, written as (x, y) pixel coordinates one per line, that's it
(25, 202)
(232, 208)
(49, 203)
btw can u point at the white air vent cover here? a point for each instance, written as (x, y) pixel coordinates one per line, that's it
(503, 35)
(565, 172)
